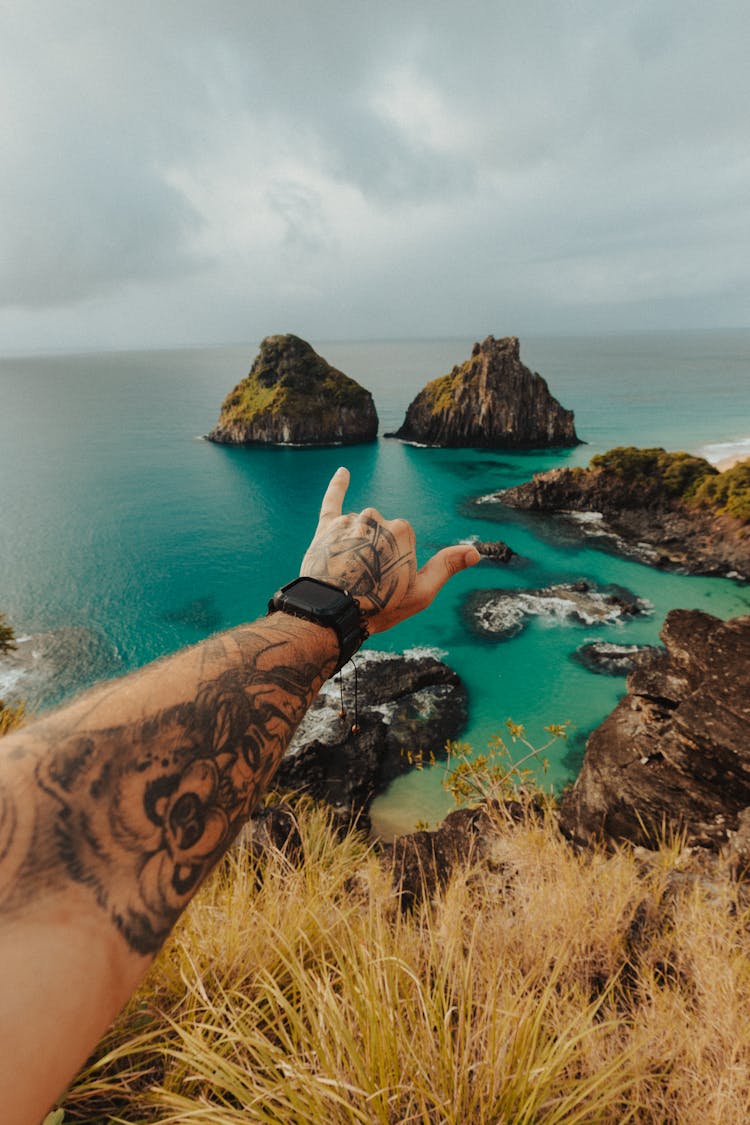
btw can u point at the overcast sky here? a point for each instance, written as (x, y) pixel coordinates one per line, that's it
(179, 171)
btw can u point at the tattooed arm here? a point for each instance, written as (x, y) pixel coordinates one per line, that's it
(114, 808)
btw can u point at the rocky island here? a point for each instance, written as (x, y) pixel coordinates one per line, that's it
(293, 396)
(491, 401)
(670, 510)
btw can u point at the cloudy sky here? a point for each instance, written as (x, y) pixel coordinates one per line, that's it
(202, 171)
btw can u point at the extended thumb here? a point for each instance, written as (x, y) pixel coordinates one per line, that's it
(459, 557)
(446, 563)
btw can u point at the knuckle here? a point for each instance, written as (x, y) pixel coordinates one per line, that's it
(401, 524)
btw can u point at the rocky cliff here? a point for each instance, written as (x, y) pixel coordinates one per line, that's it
(667, 509)
(406, 705)
(490, 401)
(674, 755)
(292, 396)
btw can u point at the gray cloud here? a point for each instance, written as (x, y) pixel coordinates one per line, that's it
(189, 171)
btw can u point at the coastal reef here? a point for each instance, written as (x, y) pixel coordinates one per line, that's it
(495, 552)
(405, 704)
(44, 668)
(606, 658)
(491, 401)
(293, 396)
(670, 510)
(502, 614)
(674, 755)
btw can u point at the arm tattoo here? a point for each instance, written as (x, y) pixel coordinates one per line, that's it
(141, 811)
(368, 565)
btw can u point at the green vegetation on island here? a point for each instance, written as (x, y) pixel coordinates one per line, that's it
(280, 388)
(492, 400)
(681, 477)
(292, 394)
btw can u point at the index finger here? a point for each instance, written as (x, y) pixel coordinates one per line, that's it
(333, 501)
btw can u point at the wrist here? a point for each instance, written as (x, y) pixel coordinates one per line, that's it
(313, 642)
(325, 605)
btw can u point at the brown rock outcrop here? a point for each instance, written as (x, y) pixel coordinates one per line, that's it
(646, 514)
(490, 401)
(674, 755)
(496, 552)
(406, 705)
(293, 396)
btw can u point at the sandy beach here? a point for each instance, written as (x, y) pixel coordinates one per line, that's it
(726, 454)
(729, 462)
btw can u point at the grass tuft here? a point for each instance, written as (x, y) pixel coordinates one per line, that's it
(548, 987)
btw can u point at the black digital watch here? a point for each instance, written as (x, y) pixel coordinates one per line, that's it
(314, 600)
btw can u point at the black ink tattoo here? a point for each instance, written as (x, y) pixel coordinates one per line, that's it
(141, 812)
(369, 565)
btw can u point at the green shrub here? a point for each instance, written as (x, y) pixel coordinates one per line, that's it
(727, 493)
(678, 475)
(7, 636)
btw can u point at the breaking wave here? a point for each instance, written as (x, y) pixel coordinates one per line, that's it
(505, 613)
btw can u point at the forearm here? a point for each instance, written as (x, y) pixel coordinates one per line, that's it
(114, 809)
(117, 806)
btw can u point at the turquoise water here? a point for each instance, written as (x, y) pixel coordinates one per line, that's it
(122, 527)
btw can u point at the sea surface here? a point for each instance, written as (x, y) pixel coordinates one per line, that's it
(124, 535)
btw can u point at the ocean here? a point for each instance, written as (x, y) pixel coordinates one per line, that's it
(124, 535)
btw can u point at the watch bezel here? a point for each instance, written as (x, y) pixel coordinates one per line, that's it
(343, 614)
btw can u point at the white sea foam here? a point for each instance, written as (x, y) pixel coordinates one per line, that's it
(719, 452)
(378, 656)
(584, 517)
(558, 606)
(10, 678)
(425, 650)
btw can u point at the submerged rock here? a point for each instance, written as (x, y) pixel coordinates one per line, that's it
(610, 659)
(405, 704)
(674, 755)
(490, 401)
(502, 614)
(45, 668)
(292, 396)
(497, 552)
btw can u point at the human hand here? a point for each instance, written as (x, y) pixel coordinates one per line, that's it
(374, 559)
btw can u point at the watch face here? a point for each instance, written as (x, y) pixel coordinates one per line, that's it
(315, 600)
(315, 596)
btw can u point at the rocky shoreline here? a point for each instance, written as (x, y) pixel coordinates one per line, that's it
(406, 705)
(672, 761)
(641, 516)
(673, 756)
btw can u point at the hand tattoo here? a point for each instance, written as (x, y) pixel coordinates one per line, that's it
(365, 559)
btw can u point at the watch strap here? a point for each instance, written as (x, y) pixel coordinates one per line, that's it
(345, 618)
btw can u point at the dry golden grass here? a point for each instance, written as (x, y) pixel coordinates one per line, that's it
(11, 717)
(556, 988)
